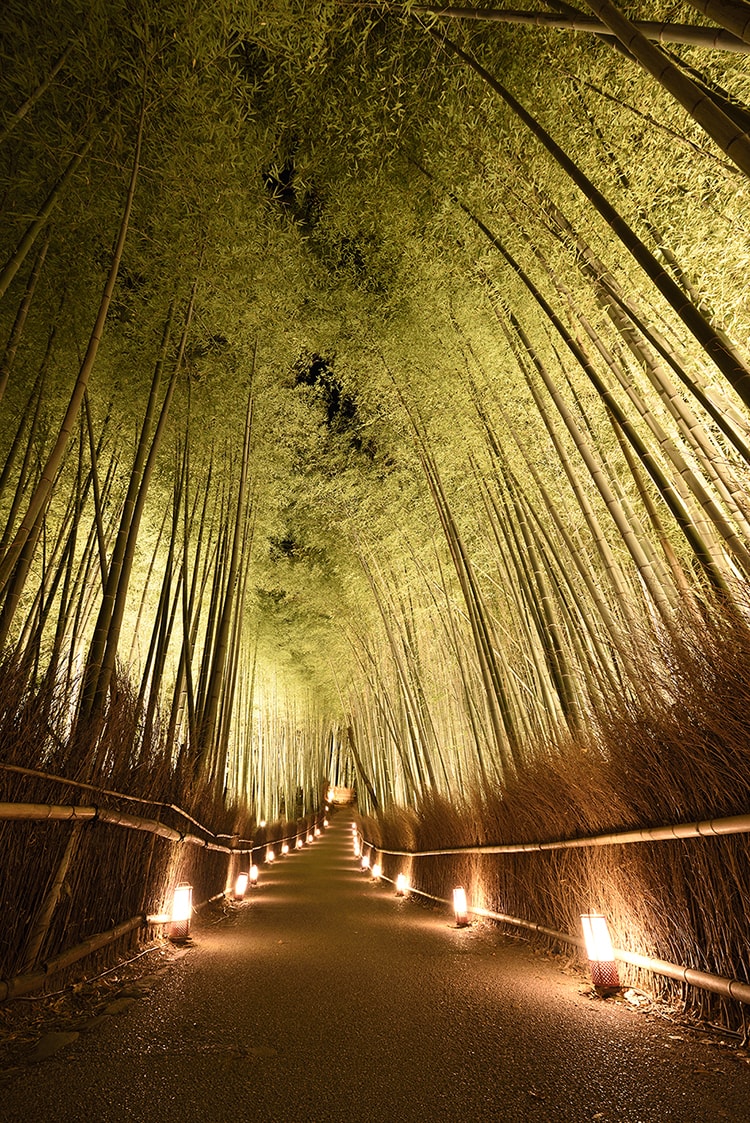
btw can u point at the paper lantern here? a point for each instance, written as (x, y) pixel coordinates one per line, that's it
(599, 950)
(182, 910)
(460, 906)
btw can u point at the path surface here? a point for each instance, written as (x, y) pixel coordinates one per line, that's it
(327, 1000)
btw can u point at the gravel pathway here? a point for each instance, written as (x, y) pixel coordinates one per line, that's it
(325, 999)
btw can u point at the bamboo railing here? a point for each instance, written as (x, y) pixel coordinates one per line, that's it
(34, 976)
(707, 828)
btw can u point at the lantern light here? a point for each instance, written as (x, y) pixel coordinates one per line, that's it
(309, 838)
(317, 832)
(262, 823)
(182, 910)
(354, 828)
(253, 875)
(599, 950)
(402, 885)
(365, 861)
(325, 822)
(460, 907)
(270, 856)
(357, 847)
(285, 848)
(240, 886)
(377, 871)
(299, 844)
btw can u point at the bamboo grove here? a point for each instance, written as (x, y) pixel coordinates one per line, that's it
(375, 396)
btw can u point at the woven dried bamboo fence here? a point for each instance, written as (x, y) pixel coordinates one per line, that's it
(645, 890)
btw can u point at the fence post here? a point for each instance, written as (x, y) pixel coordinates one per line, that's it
(43, 919)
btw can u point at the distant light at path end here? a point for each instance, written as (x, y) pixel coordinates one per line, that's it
(460, 906)
(599, 950)
(402, 885)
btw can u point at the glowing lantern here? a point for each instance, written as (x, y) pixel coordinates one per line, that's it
(402, 885)
(270, 856)
(309, 838)
(240, 886)
(599, 950)
(182, 910)
(377, 870)
(325, 822)
(365, 861)
(329, 795)
(357, 847)
(317, 832)
(299, 844)
(354, 828)
(285, 848)
(460, 906)
(262, 823)
(253, 875)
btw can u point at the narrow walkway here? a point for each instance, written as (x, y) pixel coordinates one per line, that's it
(327, 1000)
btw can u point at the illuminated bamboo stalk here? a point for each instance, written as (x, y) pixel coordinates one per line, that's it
(43, 489)
(736, 372)
(660, 32)
(41, 88)
(9, 354)
(209, 716)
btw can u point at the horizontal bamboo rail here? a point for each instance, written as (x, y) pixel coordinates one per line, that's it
(706, 828)
(34, 812)
(37, 775)
(24, 984)
(45, 812)
(703, 980)
(34, 980)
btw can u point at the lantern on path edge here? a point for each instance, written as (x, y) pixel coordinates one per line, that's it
(460, 907)
(182, 910)
(599, 950)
